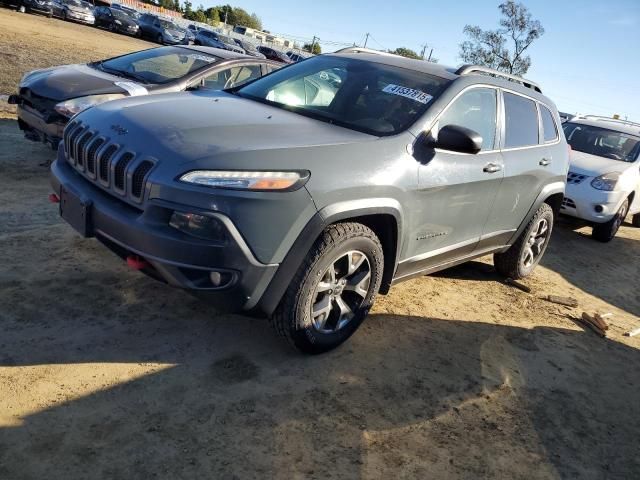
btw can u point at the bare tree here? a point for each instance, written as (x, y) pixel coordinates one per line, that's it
(503, 49)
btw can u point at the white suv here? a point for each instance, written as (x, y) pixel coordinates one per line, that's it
(603, 184)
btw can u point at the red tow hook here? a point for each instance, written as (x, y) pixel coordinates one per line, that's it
(136, 262)
(53, 198)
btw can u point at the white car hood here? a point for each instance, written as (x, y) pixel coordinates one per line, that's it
(593, 165)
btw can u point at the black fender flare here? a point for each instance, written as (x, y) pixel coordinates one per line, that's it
(328, 215)
(550, 189)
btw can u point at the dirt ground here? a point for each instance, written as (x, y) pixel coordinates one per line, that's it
(107, 374)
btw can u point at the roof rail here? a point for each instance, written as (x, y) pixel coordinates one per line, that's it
(467, 69)
(609, 119)
(364, 50)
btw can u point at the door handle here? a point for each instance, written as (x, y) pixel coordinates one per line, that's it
(491, 168)
(544, 162)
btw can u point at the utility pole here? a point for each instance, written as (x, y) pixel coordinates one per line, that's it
(313, 42)
(430, 53)
(424, 49)
(366, 39)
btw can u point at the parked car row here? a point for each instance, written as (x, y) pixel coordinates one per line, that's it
(124, 20)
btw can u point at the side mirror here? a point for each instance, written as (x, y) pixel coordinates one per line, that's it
(458, 139)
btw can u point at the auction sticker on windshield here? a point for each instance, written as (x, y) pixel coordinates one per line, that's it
(416, 95)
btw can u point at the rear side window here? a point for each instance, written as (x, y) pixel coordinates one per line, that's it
(521, 121)
(475, 109)
(548, 124)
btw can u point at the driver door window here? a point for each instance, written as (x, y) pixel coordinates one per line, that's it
(475, 109)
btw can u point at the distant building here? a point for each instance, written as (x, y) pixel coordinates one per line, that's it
(261, 36)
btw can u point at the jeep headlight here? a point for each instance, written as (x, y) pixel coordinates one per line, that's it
(69, 108)
(606, 182)
(247, 180)
(117, 22)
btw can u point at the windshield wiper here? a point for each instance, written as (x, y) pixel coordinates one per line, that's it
(120, 73)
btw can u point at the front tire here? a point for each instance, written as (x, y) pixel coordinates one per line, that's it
(636, 220)
(159, 39)
(604, 232)
(525, 254)
(333, 290)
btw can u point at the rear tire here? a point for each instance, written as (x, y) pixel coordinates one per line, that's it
(525, 254)
(331, 293)
(604, 232)
(636, 220)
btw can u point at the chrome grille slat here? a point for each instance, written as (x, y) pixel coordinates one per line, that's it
(80, 148)
(90, 163)
(72, 139)
(138, 178)
(120, 171)
(105, 160)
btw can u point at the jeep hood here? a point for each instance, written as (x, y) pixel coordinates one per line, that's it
(593, 165)
(71, 81)
(190, 126)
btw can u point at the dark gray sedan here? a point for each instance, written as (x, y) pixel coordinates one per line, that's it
(48, 98)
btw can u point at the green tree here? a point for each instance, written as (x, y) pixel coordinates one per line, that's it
(187, 9)
(503, 49)
(238, 16)
(406, 52)
(315, 49)
(213, 15)
(257, 22)
(199, 16)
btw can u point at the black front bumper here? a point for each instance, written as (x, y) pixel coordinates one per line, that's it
(168, 254)
(38, 126)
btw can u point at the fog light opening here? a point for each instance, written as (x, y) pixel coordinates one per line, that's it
(220, 279)
(599, 208)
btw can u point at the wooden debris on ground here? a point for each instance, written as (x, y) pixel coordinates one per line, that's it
(595, 322)
(518, 285)
(633, 333)
(566, 301)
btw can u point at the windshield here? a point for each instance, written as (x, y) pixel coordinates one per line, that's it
(75, 3)
(365, 96)
(167, 24)
(602, 142)
(158, 65)
(120, 14)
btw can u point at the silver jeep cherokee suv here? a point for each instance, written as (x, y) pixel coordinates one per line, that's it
(305, 193)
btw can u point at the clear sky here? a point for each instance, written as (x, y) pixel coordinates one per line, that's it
(588, 61)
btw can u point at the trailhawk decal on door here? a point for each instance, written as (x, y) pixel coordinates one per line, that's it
(407, 92)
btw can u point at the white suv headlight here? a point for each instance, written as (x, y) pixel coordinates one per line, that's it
(69, 108)
(243, 180)
(606, 182)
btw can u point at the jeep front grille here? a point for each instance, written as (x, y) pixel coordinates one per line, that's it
(106, 163)
(575, 178)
